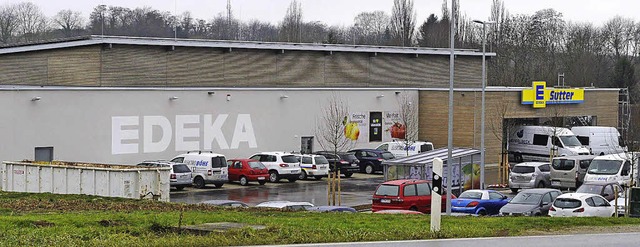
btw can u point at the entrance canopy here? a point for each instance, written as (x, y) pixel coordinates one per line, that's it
(466, 168)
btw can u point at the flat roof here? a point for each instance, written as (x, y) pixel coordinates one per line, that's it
(231, 44)
(75, 88)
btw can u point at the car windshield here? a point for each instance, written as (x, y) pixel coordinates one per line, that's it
(471, 195)
(181, 168)
(526, 198)
(590, 188)
(523, 169)
(321, 160)
(387, 156)
(567, 203)
(289, 159)
(570, 141)
(256, 165)
(604, 167)
(348, 157)
(387, 190)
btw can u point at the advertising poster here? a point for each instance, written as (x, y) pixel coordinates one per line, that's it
(393, 127)
(356, 126)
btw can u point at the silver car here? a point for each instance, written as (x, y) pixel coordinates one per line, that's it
(529, 175)
(180, 175)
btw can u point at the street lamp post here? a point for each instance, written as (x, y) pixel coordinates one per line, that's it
(484, 85)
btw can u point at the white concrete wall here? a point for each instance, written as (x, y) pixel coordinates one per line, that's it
(108, 125)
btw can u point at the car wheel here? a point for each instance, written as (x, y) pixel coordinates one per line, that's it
(540, 185)
(348, 174)
(218, 185)
(179, 187)
(514, 190)
(274, 177)
(318, 177)
(413, 208)
(482, 212)
(262, 182)
(244, 181)
(198, 182)
(368, 169)
(303, 175)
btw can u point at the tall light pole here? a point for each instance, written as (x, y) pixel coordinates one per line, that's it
(484, 85)
(449, 173)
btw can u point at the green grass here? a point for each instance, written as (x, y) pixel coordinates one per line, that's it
(71, 220)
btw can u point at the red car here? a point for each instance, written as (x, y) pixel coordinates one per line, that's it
(405, 194)
(245, 170)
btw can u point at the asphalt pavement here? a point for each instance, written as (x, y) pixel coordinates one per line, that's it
(355, 191)
(578, 240)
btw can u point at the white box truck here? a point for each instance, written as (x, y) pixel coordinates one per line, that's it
(534, 143)
(600, 140)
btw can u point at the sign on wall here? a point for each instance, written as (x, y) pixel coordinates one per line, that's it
(540, 96)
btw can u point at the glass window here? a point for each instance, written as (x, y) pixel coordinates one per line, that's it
(599, 201)
(181, 168)
(495, 196)
(238, 165)
(626, 168)
(410, 190)
(256, 165)
(178, 160)
(526, 198)
(555, 194)
(387, 156)
(567, 203)
(426, 147)
(584, 164)
(321, 160)
(217, 162)
(306, 160)
(523, 169)
(608, 190)
(424, 189)
(471, 195)
(570, 141)
(556, 142)
(387, 190)
(546, 198)
(544, 168)
(584, 140)
(384, 147)
(604, 167)
(256, 157)
(288, 159)
(590, 202)
(229, 163)
(589, 189)
(540, 140)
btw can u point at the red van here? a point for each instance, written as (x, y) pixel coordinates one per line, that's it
(405, 194)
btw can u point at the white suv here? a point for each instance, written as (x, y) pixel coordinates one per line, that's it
(280, 164)
(315, 166)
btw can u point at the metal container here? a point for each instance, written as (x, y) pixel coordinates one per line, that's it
(60, 177)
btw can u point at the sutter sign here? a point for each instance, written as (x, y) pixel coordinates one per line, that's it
(540, 96)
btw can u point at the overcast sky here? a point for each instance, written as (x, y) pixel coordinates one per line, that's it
(342, 12)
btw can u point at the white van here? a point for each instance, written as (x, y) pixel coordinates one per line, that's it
(400, 148)
(534, 143)
(206, 167)
(612, 167)
(599, 139)
(569, 171)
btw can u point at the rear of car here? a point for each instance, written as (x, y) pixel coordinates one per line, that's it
(569, 171)
(404, 195)
(315, 166)
(565, 206)
(206, 167)
(529, 175)
(280, 165)
(180, 176)
(346, 162)
(581, 205)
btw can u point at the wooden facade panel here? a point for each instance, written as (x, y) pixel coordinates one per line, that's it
(300, 69)
(23, 69)
(195, 67)
(125, 65)
(74, 67)
(246, 68)
(346, 70)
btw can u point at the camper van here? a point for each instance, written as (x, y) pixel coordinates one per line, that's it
(534, 143)
(569, 171)
(612, 167)
(599, 139)
(400, 149)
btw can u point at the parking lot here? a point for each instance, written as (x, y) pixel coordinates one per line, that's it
(356, 190)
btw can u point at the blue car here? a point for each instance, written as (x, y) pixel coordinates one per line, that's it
(480, 202)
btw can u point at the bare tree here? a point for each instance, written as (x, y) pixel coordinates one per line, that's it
(32, 23)
(8, 23)
(290, 28)
(371, 27)
(408, 117)
(502, 127)
(69, 21)
(403, 22)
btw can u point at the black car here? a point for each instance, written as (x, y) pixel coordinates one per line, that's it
(531, 202)
(346, 162)
(371, 159)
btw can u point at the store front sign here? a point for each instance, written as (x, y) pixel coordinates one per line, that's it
(540, 96)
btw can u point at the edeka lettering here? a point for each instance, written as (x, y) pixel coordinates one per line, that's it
(125, 133)
(540, 96)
